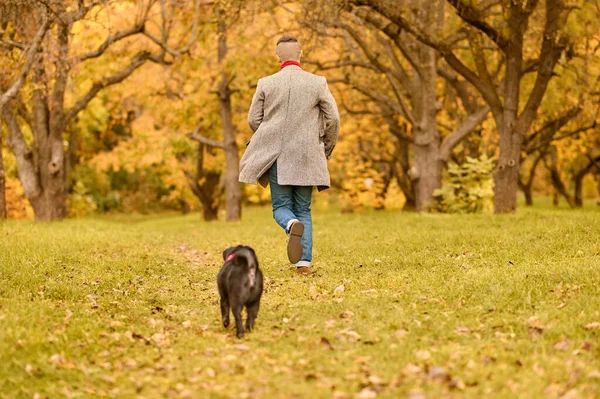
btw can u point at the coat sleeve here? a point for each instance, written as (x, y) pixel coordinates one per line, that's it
(331, 118)
(257, 111)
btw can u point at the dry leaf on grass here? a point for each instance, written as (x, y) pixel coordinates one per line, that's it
(561, 344)
(423, 354)
(366, 393)
(593, 326)
(400, 333)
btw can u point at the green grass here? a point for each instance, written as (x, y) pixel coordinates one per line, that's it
(433, 305)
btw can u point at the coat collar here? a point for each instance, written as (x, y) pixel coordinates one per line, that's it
(291, 68)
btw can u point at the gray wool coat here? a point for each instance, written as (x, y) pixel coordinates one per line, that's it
(295, 122)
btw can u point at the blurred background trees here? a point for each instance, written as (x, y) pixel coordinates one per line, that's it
(447, 105)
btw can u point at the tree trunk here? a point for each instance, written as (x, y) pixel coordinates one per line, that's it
(578, 198)
(429, 177)
(528, 196)
(578, 179)
(41, 168)
(427, 139)
(556, 179)
(3, 214)
(233, 192)
(205, 186)
(506, 175)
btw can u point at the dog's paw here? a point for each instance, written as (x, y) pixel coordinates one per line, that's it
(226, 323)
(240, 335)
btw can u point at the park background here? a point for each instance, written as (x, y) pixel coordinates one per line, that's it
(126, 119)
(140, 107)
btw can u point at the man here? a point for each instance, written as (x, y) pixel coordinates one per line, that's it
(295, 122)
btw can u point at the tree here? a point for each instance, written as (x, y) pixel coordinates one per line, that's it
(502, 26)
(404, 75)
(50, 109)
(233, 193)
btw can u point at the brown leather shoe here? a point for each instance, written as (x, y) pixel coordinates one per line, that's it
(305, 271)
(294, 247)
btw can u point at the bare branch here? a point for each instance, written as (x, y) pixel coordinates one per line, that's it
(185, 49)
(138, 28)
(554, 125)
(14, 89)
(466, 127)
(136, 62)
(205, 140)
(553, 45)
(488, 92)
(27, 172)
(11, 43)
(474, 17)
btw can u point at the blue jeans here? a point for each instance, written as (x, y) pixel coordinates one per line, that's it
(292, 202)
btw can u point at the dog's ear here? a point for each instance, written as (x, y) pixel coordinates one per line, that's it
(228, 252)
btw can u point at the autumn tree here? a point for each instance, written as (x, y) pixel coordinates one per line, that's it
(402, 76)
(207, 93)
(531, 37)
(49, 104)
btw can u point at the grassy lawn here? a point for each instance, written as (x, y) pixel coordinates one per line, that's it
(400, 305)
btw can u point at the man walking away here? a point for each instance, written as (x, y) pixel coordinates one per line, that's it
(296, 123)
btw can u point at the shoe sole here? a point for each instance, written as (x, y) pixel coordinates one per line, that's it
(304, 272)
(294, 247)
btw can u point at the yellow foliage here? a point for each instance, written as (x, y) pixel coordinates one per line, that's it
(17, 205)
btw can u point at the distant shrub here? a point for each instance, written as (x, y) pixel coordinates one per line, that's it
(469, 187)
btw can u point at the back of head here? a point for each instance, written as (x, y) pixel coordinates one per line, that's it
(288, 49)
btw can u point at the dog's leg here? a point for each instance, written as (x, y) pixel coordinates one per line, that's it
(236, 308)
(252, 310)
(225, 310)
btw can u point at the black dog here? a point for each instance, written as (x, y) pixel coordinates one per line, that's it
(240, 284)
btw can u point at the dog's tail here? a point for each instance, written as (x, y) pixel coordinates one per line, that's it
(250, 262)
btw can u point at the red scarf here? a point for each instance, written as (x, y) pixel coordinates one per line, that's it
(288, 63)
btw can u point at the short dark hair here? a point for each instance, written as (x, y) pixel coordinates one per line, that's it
(287, 39)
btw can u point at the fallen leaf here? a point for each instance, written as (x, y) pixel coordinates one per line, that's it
(571, 394)
(348, 314)
(462, 330)
(339, 289)
(375, 380)
(330, 323)
(367, 292)
(416, 394)
(362, 360)
(68, 315)
(339, 395)
(423, 354)
(539, 370)
(457, 383)
(210, 372)
(594, 374)
(437, 372)
(352, 335)
(400, 333)
(366, 393)
(593, 326)
(325, 342)
(242, 347)
(187, 324)
(411, 369)
(587, 346)
(56, 359)
(561, 344)
(312, 291)
(92, 299)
